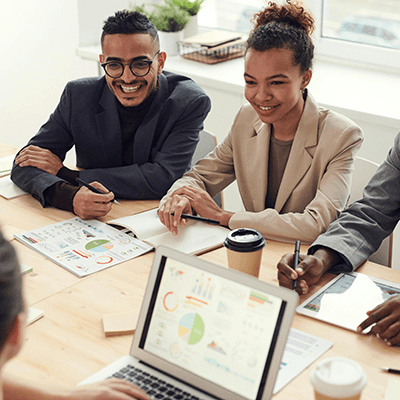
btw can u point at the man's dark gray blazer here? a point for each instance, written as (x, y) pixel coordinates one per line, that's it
(87, 117)
(360, 229)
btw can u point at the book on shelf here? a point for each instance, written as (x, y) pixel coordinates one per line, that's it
(195, 238)
(213, 38)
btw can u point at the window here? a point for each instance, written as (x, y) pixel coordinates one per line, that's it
(233, 15)
(357, 31)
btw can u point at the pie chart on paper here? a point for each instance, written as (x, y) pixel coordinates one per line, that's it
(99, 245)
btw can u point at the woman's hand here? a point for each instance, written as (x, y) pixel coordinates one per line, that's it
(189, 199)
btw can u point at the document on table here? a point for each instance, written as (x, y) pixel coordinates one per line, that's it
(392, 390)
(301, 350)
(33, 315)
(6, 164)
(83, 247)
(9, 189)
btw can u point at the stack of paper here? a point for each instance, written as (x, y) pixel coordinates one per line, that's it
(8, 188)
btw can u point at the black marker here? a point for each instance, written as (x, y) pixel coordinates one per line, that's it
(92, 188)
(296, 260)
(197, 218)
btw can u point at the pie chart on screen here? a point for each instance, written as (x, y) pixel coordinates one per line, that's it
(99, 245)
(191, 328)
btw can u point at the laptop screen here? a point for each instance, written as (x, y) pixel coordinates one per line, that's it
(218, 329)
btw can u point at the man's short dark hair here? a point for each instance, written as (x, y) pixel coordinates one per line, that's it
(11, 300)
(129, 22)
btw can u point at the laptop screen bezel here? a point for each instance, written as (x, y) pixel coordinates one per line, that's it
(272, 364)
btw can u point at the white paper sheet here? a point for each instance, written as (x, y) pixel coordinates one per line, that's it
(392, 390)
(6, 164)
(9, 189)
(301, 350)
(33, 315)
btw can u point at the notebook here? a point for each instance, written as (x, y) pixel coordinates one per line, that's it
(195, 238)
(206, 332)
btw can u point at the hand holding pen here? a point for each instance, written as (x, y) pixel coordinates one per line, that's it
(296, 261)
(198, 218)
(89, 204)
(92, 188)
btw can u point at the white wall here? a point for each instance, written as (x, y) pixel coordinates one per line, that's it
(38, 47)
(38, 42)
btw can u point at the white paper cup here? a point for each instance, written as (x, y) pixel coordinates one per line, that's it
(338, 378)
(244, 250)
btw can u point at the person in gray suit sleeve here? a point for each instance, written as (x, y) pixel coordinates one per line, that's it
(352, 238)
(134, 129)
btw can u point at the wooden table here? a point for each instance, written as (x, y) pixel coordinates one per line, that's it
(68, 344)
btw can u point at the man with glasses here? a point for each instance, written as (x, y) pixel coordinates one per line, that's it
(134, 129)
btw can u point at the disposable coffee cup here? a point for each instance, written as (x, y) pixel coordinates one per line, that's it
(244, 249)
(338, 378)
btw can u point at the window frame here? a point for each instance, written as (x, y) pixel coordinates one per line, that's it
(357, 54)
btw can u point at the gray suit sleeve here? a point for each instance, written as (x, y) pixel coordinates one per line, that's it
(360, 229)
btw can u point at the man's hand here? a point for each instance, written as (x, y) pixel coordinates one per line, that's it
(308, 271)
(34, 156)
(88, 205)
(386, 318)
(110, 389)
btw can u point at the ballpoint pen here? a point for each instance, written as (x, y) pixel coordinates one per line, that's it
(390, 370)
(197, 218)
(296, 260)
(92, 188)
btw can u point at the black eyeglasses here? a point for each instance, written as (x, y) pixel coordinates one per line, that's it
(115, 69)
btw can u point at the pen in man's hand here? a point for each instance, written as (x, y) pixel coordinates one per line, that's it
(92, 188)
(197, 218)
(296, 260)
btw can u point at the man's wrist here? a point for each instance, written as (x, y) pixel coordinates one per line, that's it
(329, 258)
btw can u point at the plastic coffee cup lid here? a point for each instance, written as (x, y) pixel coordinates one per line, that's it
(244, 240)
(338, 377)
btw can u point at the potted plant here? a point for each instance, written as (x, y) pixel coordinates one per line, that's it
(170, 20)
(192, 7)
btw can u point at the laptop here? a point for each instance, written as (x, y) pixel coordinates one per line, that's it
(205, 332)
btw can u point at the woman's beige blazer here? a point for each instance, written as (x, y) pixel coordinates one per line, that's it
(316, 182)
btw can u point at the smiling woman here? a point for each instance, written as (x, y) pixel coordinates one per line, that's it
(292, 159)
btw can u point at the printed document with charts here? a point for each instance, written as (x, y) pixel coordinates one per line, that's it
(83, 247)
(195, 238)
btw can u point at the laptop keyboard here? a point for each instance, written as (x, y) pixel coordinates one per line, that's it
(155, 387)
